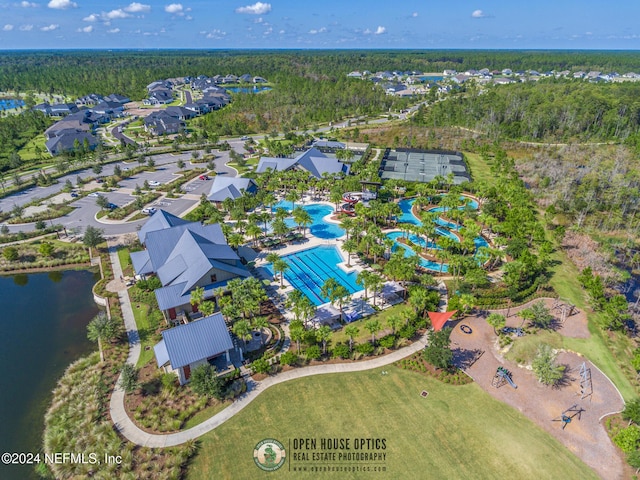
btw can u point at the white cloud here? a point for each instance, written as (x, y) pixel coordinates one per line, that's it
(380, 30)
(257, 8)
(281, 32)
(91, 18)
(175, 8)
(7, 28)
(414, 14)
(25, 28)
(115, 14)
(478, 14)
(215, 34)
(114, 30)
(50, 28)
(62, 4)
(319, 30)
(87, 29)
(28, 5)
(136, 7)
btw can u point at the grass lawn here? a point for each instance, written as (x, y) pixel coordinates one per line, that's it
(28, 151)
(146, 337)
(480, 170)
(456, 432)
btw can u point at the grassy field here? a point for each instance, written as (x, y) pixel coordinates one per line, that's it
(456, 432)
(480, 171)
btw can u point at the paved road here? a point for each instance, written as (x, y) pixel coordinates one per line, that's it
(121, 137)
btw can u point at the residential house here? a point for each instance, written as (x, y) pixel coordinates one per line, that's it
(184, 255)
(181, 113)
(109, 108)
(62, 109)
(259, 80)
(114, 97)
(246, 78)
(449, 73)
(43, 108)
(461, 78)
(91, 99)
(68, 140)
(159, 97)
(313, 161)
(162, 123)
(185, 347)
(230, 187)
(84, 120)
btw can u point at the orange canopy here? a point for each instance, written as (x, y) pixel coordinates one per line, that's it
(438, 319)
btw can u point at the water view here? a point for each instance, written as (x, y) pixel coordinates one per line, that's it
(43, 322)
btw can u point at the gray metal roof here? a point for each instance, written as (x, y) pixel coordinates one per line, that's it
(230, 187)
(141, 263)
(159, 221)
(162, 356)
(313, 161)
(199, 340)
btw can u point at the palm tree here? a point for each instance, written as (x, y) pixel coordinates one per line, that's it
(394, 322)
(101, 328)
(328, 288)
(253, 230)
(350, 246)
(373, 326)
(197, 296)
(280, 266)
(259, 323)
(342, 296)
(323, 334)
(351, 331)
(302, 218)
(497, 321)
(242, 330)
(296, 332)
(292, 196)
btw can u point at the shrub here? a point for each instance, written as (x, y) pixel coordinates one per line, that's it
(408, 331)
(387, 341)
(260, 366)
(545, 366)
(313, 352)
(365, 348)
(341, 350)
(632, 411)
(288, 358)
(205, 382)
(129, 379)
(628, 439)
(168, 381)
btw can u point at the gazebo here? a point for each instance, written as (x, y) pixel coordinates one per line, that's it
(438, 319)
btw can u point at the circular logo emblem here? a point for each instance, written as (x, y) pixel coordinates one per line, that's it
(269, 455)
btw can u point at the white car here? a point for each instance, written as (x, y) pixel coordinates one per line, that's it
(154, 183)
(94, 194)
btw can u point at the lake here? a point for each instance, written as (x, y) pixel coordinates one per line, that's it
(43, 322)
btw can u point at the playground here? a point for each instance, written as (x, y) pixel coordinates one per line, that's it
(572, 412)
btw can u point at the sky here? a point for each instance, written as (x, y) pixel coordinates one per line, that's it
(476, 24)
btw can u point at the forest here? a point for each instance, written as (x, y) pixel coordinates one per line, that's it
(547, 110)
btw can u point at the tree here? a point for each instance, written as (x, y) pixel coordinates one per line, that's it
(180, 164)
(351, 331)
(350, 246)
(394, 322)
(196, 296)
(323, 334)
(437, 351)
(97, 169)
(129, 378)
(302, 218)
(497, 321)
(373, 327)
(280, 266)
(242, 330)
(260, 323)
(101, 329)
(102, 201)
(296, 332)
(538, 315)
(46, 249)
(10, 254)
(545, 367)
(260, 366)
(92, 237)
(207, 308)
(205, 382)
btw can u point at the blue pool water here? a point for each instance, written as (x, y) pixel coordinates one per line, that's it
(407, 216)
(319, 228)
(309, 269)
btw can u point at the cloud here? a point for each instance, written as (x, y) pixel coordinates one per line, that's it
(380, 30)
(281, 32)
(215, 34)
(478, 14)
(136, 7)
(25, 28)
(114, 30)
(414, 14)
(257, 8)
(28, 5)
(319, 30)
(7, 28)
(115, 14)
(87, 29)
(175, 8)
(50, 28)
(91, 18)
(62, 4)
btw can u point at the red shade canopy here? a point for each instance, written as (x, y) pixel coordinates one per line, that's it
(438, 319)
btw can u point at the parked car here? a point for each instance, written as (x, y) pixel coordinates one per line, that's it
(74, 194)
(154, 183)
(244, 138)
(149, 211)
(99, 180)
(94, 194)
(203, 177)
(112, 206)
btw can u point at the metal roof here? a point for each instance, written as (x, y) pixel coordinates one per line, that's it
(141, 263)
(230, 187)
(162, 356)
(159, 221)
(198, 340)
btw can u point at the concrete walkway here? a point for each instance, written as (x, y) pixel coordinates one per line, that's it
(134, 434)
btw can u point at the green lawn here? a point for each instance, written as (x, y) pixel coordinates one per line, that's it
(28, 151)
(456, 432)
(480, 170)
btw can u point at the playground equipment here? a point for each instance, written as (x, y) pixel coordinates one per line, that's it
(501, 377)
(567, 416)
(565, 308)
(586, 385)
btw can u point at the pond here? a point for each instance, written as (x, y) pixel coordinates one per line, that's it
(44, 319)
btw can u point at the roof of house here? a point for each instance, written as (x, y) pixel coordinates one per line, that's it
(195, 341)
(141, 262)
(159, 221)
(65, 140)
(230, 187)
(313, 161)
(328, 144)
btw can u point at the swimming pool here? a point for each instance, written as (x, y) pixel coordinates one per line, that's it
(309, 269)
(319, 228)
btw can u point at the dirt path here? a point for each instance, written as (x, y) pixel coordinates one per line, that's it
(586, 436)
